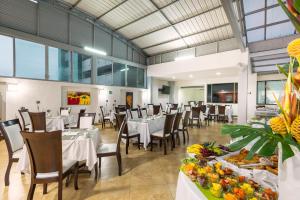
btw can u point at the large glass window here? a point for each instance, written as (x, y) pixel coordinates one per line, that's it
(222, 93)
(119, 74)
(82, 68)
(141, 79)
(266, 91)
(104, 72)
(30, 59)
(6, 52)
(59, 64)
(131, 76)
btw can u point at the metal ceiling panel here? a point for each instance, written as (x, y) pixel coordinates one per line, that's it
(96, 7)
(71, 2)
(184, 9)
(149, 23)
(165, 47)
(162, 3)
(156, 37)
(127, 12)
(210, 36)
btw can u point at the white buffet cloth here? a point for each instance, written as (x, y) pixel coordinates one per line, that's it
(79, 145)
(55, 123)
(145, 127)
(187, 190)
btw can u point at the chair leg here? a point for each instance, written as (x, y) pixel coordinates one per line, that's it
(96, 171)
(31, 191)
(6, 180)
(139, 142)
(119, 159)
(127, 145)
(100, 166)
(187, 135)
(76, 176)
(45, 188)
(165, 146)
(178, 138)
(183, 136)
(151, 144)
(59, 194)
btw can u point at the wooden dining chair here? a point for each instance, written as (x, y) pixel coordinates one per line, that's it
(175, 130)
(26, 122)
(195, 116)
(125, 134)
(143, 112)
(173, 110)
(156, 109)
(46, 163)
(175, 105)
(165, 134)
(82, 110)
(112, 149)
(183, 127)
(14, 143)
(86, 120)
(212, 113)
(134, 113)
(221, 113)
(187, 107)
(105, 119)
(203, 109)
(38, 121)
(65, 111)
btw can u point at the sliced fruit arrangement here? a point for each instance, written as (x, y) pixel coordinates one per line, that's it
(207, 149)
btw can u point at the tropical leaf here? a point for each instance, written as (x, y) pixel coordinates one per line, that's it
(268, 148)
(256, 147)
(287, 152)
(243, 142)
(290, 15)
(297, 6)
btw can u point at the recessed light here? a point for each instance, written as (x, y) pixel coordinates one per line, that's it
(218, 73)
(191, 76)
(173, 77)
(34, 1)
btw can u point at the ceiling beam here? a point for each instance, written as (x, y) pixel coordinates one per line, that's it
(113, 8)
(229, 11)
(169, 21)
(145, 16)
(189, 35)
(176, 22)
(75, 4)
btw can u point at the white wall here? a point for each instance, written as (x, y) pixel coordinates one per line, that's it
(156, 96)
(53, 95)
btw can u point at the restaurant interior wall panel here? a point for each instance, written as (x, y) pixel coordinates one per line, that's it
(129, 54)
(119, 49)
(136, 56)
(103, 41)
(53, 23)
(227, 45)
(20, 15)
(81, 32)
(157, 97)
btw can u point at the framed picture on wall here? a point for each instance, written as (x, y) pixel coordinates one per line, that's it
(78, 98)
(129, 99)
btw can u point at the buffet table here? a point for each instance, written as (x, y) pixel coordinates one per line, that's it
(78, 144)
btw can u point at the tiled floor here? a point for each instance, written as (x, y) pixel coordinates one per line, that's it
(146, 175)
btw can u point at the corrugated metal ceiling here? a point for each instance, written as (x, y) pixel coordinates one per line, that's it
(159, 26)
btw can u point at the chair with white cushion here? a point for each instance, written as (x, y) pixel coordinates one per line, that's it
(165, 134)
(65, 111)
(14, 143)
(183, 127)
(143, 112)
(113, 149)
(125, 134)
(25, 119)
(46, 163)
(86, 120)
(175, 131)
(173, 110)
(134, 113)
(105, 119)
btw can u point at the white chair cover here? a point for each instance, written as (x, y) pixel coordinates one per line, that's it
(144, 113)
(135, 114)
(14, 136)
(173, 111)
(64, 113)
(86, 122)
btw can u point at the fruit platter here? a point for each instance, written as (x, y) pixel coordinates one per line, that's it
(217, 182)
(207, 150)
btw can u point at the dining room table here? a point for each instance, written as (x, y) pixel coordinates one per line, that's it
(77, 144)
(146, 126)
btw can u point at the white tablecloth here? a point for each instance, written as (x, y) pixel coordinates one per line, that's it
(145, 127)
(187, 190)
(80, 145)
(55, 123)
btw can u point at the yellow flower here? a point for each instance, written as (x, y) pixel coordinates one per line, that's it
(247, 188)
(294, 49)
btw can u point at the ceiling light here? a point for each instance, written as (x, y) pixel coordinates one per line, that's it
(191, 75)
(173, 77)
(123, 70)
(218, 73)
(34, 1)
(184, 57)
(95, 51)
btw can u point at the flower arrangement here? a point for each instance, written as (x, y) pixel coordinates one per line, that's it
(293, 11)
(283, 129)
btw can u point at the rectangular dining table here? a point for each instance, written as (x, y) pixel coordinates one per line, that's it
(146, 126)
(77, 144)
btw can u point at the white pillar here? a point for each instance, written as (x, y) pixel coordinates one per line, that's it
(242, 94)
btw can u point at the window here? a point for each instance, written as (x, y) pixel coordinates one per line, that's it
(6, 52)
(131, 76)
(222, 93)
(59, 64)
(82, 68)
(104, 72)
(266, 89)
(30, 59)
(119, 74)
(141, 78)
